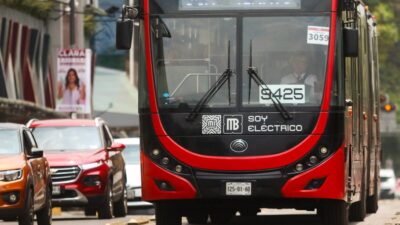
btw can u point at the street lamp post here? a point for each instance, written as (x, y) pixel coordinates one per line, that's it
(72, 24)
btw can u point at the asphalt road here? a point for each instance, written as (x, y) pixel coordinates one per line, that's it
(388, 214)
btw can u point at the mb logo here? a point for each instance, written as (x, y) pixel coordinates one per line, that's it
(233, 124)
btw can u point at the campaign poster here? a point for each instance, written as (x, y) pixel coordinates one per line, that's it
(74, 81)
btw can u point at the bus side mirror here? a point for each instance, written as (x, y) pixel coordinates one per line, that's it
(125, 27)
(124, 34)
(350, 39)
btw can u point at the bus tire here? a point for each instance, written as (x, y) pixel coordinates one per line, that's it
(199, 217)
(334, 212)
(372, 203)
(221, 216)
(167, 214)
(358, 210)
(249, 213)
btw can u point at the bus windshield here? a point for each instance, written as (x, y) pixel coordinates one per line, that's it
(289, 56)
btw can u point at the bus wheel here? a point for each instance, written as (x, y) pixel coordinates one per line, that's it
(198, 217)
(358, 210)
(221, 216)
(167, 214)
(372, 201)
(372, 204)
(249, 213)
(334, 212)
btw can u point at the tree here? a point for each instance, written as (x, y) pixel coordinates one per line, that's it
(385, 12)
(38, 9)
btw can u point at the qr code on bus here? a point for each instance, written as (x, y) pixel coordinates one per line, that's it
(211, 124)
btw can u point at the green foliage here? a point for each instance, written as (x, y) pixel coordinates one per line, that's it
(385, 12)
(90, 25)
(37, 8)
(388, 30)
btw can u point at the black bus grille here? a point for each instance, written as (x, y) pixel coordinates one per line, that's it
(64, 174)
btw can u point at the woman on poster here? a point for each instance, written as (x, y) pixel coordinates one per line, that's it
(73, 93)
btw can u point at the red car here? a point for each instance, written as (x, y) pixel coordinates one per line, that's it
(87, 167)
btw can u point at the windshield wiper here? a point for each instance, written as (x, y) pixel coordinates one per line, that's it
(226, 76)
(260, 82)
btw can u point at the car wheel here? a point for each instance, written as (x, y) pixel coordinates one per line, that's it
(106, 208)
(334, 212)
(44, 216)
(28, 216)
(121, 206)
(90, 211)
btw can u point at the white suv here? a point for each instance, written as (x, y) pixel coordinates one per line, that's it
(133, 172)
(388, 183)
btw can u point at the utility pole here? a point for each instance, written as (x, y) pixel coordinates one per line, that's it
(72, 24)
(132, 54)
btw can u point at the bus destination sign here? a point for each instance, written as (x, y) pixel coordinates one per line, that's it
(238, 4)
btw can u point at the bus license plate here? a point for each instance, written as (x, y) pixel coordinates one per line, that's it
(238, 189)
(56, 190)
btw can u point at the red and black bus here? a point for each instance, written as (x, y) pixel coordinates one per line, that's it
(250, 104)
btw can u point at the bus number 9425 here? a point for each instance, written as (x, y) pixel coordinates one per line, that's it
(286, 94)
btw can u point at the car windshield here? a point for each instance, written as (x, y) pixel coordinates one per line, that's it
(289, 55)
(10, 142)
(67, 138)
(132, 154)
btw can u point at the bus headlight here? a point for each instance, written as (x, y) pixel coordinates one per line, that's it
(323, 151)
(162, 158)
(299, 167)
(155, 152)
(313, 160)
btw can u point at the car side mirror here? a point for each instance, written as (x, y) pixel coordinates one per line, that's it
(350, 42)
(35, 153)
(117, 147)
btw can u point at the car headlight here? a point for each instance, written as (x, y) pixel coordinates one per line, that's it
(10, 175)
(91, 165)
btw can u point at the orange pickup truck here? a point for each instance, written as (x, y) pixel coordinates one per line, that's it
(25, 182)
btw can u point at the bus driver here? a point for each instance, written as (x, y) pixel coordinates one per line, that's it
(300, 75)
